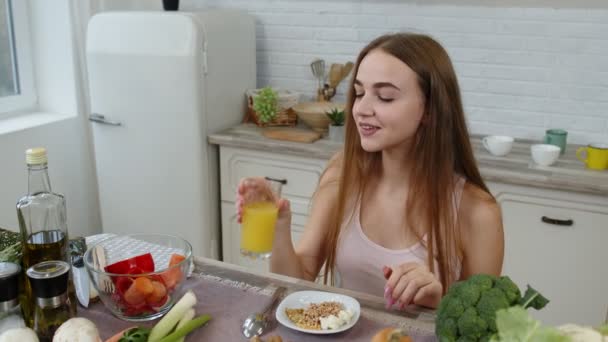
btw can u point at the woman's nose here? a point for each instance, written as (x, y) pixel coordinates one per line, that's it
(363, 107)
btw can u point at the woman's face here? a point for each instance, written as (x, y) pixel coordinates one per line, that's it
(388, 103)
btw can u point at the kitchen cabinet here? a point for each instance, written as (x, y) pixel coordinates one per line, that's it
(301, 176)
(556, 242)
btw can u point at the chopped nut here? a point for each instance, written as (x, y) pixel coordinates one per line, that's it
(309, 318)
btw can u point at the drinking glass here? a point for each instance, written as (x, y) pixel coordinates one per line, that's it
(258, 222)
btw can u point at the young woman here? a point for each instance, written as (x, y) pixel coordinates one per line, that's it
(402, 211)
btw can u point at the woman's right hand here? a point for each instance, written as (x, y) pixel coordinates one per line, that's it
(257, 189)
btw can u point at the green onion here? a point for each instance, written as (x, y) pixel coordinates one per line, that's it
(186, 329)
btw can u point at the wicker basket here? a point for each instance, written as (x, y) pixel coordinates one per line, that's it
(285, 115)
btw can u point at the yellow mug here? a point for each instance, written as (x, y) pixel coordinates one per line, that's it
(597, 156)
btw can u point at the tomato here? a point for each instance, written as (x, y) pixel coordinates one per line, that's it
(173, 276)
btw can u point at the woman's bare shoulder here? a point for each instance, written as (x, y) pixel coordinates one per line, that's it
(482, 236)
(478, 208)
(331, 174)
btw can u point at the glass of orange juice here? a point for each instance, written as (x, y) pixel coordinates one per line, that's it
(258, 222)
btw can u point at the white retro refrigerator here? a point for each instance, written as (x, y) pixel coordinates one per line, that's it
(160, 82)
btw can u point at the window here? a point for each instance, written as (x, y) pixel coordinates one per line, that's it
(16, 73)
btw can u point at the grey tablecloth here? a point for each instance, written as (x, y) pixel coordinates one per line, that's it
(228, 306)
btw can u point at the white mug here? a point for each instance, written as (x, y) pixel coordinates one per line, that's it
(545, 154)
(498, 145)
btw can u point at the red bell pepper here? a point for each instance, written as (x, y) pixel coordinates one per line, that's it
(136, 265)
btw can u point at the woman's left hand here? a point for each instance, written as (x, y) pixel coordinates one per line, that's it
(412, 283)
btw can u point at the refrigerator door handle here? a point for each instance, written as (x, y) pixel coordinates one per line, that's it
(94, 117)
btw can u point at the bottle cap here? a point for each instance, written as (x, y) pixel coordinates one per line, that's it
(9, 281)
(36, 156)
(49, 278)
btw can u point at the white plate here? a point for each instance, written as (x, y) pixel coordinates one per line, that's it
(301, 300)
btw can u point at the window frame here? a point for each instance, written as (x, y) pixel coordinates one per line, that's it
(27, 99)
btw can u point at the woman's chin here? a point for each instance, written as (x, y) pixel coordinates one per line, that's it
(369, 146)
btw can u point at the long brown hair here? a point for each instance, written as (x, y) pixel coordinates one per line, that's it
(441, 149)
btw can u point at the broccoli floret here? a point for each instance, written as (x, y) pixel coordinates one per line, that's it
(453, 309)
(470, 325)
(456, 287)
(509, 288)
(449, 330)
(465, 339)
(469, 295)
(490, 302)
(483, 281)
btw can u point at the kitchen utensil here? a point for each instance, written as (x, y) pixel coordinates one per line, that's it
(158, 261)
(78, 247)
(346, 69)
(318, 70)
(99, 260)
(81, 281)
(335, 74)
(256, 323)
(292, 134)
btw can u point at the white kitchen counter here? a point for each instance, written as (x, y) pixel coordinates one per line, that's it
(567, 174)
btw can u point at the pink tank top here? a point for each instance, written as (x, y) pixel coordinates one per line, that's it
(359, 260)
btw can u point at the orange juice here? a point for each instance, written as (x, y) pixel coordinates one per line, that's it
(257, 229)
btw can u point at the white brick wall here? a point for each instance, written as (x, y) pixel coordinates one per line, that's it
(521, 70)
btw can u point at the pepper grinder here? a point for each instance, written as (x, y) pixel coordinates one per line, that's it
(49, 280)
(10, 311)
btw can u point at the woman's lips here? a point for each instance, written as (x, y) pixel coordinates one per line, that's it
(367, 130)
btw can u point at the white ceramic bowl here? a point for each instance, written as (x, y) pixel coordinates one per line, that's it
(498, 145)
(544, 154)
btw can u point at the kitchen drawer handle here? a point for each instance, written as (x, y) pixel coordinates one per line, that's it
(282, 181)
(557, 222)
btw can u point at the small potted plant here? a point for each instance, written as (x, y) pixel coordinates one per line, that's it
(270, 106)
(336, 128)
(265, 104)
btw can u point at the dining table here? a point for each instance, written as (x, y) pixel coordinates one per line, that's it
(229, 293)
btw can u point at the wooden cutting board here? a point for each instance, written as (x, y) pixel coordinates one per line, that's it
(291, 134)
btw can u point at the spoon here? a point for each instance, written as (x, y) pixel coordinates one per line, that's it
(256, 323)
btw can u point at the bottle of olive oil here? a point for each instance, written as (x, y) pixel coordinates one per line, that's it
(43, 226)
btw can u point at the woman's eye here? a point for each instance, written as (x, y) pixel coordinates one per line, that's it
(385, 99)
(358, 95)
